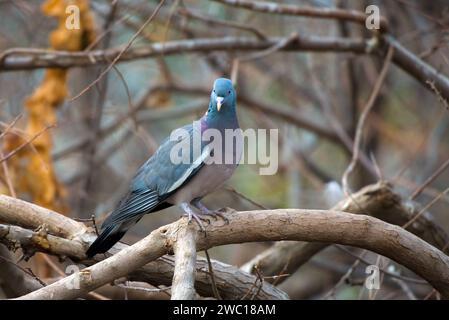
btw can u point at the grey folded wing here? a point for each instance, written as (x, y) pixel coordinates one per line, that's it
(156, 180)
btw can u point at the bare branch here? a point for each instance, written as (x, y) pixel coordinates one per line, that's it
(31, 216)
(231, 282)
(25, 59)
(303, 11)
(430, 179)
(269, 225)
(377, 200)
(220, 22)
(26, 143)
(361, 122)
(21, 59)
(281, 112)
(13, 280)
(122, 51)
(185, 259)
(32, 241)
(71, 242)
(416, 67)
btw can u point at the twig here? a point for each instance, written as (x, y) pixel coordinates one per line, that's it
(376, 167)
(117, 58)
(261, 280)
(97, 114)
(241, 195)
(362, 119)
(226, 23)
(304, 11)
(250, 289)
(5, 168)
(431, 203)
(391, 274)
(23, 135)
(128, 94)
(276, 47)
(30, 271)
(10, 126)
(27, 271)
(430, 294)
(330, 116)
(429, 180)
(105, 33)
(212, 277)
(128, 287)
(278, 277)
(94, 223)
(140, 104)
(409, 293)
(66, 59)
(438, 93)
(167, 23)
(23, 145)
(342, 280)
(261, 54)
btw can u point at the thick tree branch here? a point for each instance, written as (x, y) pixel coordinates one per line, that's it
(183, 287)
(231, 281)
(23, 59)
(31, 241)
(377, 200)
(21, 213)
(269, 225)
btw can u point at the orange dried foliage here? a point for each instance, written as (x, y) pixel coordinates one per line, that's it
(32, 172)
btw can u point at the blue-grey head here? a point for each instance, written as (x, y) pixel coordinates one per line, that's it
(222, 99)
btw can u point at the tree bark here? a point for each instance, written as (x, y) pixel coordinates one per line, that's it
(269, 225)
(183, 287)
(231, 282)
(376, 200)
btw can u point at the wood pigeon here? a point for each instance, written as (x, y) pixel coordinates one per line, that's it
(162, 182)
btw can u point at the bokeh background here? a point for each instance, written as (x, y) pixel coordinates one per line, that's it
(82, 166)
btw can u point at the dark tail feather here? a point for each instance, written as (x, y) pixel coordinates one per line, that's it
(108, 237)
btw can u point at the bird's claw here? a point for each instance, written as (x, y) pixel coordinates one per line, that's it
(211, 213)
(198, 219)
(221, 212)
(190, 212)
(217, 213)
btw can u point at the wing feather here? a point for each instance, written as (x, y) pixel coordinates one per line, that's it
(155, 181)
(134, 205)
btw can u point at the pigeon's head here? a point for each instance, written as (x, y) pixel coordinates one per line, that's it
(222, 98)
